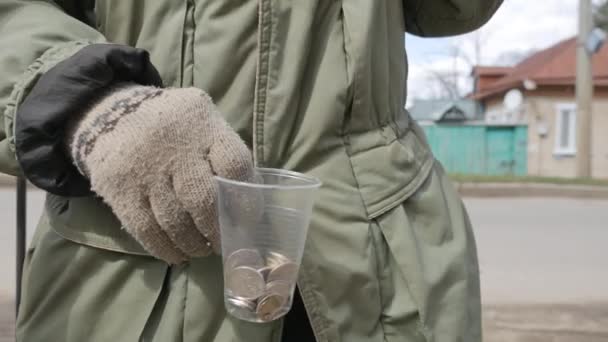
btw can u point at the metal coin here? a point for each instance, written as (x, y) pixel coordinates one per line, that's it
(286, 272)
(240, 307)
(244, 257)
(279, 287)
(242, 303)
(246, 282)
(275, 259)
(265, 271)
(269, 306)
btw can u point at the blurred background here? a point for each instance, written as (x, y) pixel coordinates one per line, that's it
(517, 112)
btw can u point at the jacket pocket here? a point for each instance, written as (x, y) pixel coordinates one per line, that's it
(430, 242)
(390, 163)
(400, 317)
(87, 221)
(76, 293)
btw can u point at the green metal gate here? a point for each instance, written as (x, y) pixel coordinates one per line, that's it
(480, 149)
(500, 150)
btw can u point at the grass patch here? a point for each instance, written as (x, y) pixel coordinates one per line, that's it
(462, 178)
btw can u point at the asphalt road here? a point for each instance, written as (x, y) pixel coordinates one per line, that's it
(544, 266)
(542, 250)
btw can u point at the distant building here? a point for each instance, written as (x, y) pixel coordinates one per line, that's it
(547, 82)
(465, 144)
(435, 111)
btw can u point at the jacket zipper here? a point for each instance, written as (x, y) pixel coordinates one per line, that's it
(259, 107)
(261, 81)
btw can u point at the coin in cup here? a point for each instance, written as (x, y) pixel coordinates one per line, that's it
(242, 303)
(265, 271)
(269, 306)
(244, 257)
(240, 306)
(285, 272)
(274, 259)
(279, 287)
(246, 282)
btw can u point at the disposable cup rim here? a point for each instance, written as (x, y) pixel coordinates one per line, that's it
(311, 182)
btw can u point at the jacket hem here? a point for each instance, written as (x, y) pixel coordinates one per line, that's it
(92, 240)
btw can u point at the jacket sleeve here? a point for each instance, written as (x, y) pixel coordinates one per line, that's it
(34, 36)
(51, 66)
(437, 18)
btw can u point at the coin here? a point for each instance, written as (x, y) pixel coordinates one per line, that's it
(279, 287)
(246, 282)
(265, 271)
(241, 307)
(275, 259)
(269, 306)
(244, 257)
(242, 303)
(286, 272)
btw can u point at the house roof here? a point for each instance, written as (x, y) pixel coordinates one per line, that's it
(555, 65)
(491, 70)
(436, 110)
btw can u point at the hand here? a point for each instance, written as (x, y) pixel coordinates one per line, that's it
(151, 154)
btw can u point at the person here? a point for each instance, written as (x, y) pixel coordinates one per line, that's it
(124, 111)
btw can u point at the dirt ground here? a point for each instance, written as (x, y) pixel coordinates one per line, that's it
(502, 323)
(546, 323)
(7, 319)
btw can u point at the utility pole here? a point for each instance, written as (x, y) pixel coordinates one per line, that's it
(584, 91)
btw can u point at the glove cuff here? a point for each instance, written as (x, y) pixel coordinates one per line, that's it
(101, 117)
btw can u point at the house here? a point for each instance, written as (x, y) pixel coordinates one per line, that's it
(465, 143)
(445, 110)
(544, 86)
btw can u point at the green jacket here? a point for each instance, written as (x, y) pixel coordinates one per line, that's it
(317, 86)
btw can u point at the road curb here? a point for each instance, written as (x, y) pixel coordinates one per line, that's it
(6, 180)
(468, 189)
(531, 190)
(10, 182)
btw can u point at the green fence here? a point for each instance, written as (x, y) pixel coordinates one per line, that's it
(480, 149)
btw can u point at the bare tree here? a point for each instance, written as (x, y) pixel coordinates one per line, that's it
(445, 84)
(470, 47)
(601, 15)
(464, 53)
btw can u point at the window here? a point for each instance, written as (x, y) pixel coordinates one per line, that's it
(565, 129)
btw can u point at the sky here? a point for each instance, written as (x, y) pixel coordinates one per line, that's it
(518, 27)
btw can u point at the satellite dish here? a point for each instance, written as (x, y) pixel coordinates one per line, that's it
(513, 99)
(529, 84)
(595, 40)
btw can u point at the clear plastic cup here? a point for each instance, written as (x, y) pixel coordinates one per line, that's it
(263, 225)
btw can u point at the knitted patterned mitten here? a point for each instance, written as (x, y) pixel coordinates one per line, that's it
(151, 154)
